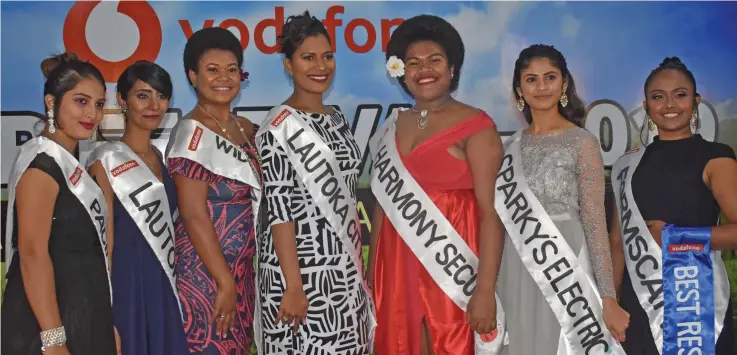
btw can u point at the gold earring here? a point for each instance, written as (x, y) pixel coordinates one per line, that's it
(564, 100)
(520, 104)
(694, 118)
(650, 123)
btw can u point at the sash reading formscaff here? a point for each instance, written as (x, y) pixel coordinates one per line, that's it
(144, 198)
(79, 182)
(551, 262)
(688, 291)
(319, 171)
(644, 257)
(192, 140)
(423, 227)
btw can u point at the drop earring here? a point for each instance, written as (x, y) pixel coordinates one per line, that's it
(650, 123)
(564, 100)
(520, 104)
(52, 127)
(694, 119)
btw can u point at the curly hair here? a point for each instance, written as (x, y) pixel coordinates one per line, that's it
(207, 39)
(428, 28)
(296, 28)
(575, 111)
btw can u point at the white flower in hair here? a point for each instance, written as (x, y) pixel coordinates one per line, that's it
(395, 66)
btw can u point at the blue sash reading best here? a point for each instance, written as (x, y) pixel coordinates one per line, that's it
(688, 291)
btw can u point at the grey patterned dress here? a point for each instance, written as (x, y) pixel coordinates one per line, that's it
(565, 172)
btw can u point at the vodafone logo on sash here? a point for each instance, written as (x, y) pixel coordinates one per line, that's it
(125, 20)
(74, 179)
(280, 118)
(195, 141)
(124, 167)
(681, 248)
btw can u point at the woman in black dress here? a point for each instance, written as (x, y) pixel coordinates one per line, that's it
(681, 179)
(58, 294)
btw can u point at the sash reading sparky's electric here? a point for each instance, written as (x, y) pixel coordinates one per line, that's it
(321, 175)
(78, 181)
(559, 273)
(193, 141)
(423, 227)
(644, 259)
(144, 198)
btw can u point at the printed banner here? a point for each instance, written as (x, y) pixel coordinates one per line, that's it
(603, 42)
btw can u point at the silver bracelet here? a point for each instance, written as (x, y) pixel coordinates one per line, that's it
(53, 337)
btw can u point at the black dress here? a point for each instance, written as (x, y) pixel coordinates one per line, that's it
(82, 289)
(668, 186)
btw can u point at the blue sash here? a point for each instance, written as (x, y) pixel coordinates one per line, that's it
(688, 291)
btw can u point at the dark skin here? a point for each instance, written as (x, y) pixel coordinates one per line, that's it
(217, 82)
(541, 87)
(36, 195)
(428, 75)
(312, 67)
(670, 102)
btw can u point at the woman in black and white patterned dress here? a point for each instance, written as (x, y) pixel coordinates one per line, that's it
(311, 293)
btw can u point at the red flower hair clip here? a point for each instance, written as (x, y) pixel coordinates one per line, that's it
(244, 75)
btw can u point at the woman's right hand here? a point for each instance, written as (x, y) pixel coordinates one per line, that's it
(57, 350)
(293, 308)
(224, 311)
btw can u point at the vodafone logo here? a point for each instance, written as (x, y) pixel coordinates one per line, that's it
(74, 179)
(195, 141)
(681, 248)
(124, 167)
(280, 118)
(110, 27)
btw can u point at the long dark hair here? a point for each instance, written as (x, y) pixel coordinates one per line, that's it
(575, 110)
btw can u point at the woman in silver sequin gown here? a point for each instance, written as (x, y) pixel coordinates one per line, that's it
(563, 167)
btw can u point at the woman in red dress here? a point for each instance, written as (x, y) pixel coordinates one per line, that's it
(454, 152)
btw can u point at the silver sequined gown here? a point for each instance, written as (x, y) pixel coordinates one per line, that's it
(565, 172)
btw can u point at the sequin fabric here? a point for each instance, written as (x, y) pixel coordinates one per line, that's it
(566, 173)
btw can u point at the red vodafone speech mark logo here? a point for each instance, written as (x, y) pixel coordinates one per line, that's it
(141, 12)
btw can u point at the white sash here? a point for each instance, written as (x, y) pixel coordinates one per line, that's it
(192, 140)
(319, 171)
(144, 198)
(78, 181)
(557, 270)
(644, 257)
(433, 240)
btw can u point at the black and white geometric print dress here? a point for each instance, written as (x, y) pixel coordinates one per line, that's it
(338, 313)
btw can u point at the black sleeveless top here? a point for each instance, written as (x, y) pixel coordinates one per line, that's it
(668, 185)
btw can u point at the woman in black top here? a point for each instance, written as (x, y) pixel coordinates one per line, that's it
(683, 180)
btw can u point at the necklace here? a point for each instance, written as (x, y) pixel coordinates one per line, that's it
(144, 156)
(230, 138)
(423, 120)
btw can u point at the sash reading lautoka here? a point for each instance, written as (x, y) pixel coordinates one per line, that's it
(688, 291)
(644, 257)
(193, 141)
(319, 171)
(423, 227)
(78, 181)
(144, 198)
(551, 262)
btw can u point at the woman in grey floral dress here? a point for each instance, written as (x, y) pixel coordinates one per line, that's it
(563, 167)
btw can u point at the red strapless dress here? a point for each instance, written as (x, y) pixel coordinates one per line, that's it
(403, 290)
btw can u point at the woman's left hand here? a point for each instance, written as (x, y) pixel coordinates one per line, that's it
(481, 313)
(617, 320)
(656, 229)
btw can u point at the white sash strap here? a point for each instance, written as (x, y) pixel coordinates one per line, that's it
(551, 262)
(644, 257)
(144, 198)
(78, 181)
(192, 140)
(423, 227)
(319, 171)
